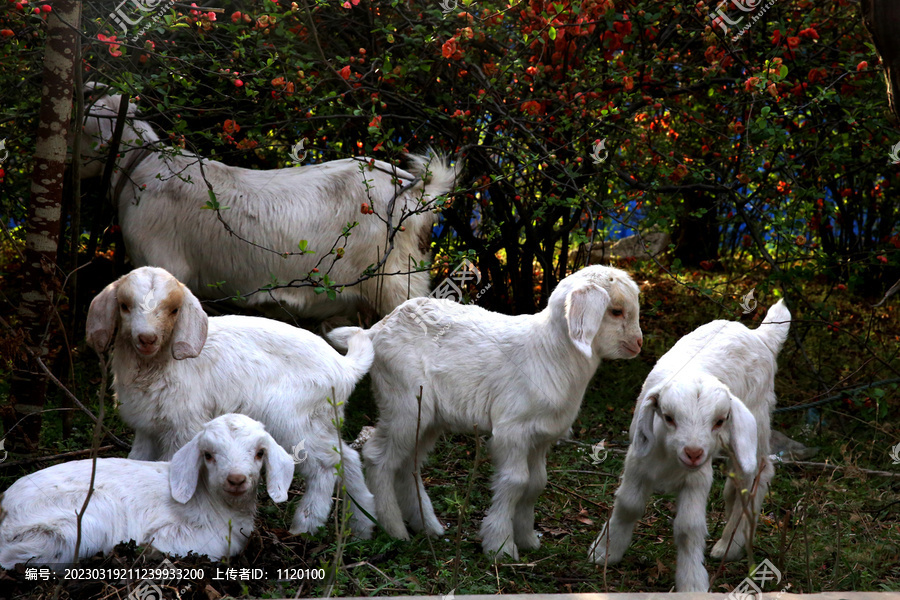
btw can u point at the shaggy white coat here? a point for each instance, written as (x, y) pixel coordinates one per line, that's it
(164, 224)
(519, 378)
(174, 368)
(204, 501)
(713, 390)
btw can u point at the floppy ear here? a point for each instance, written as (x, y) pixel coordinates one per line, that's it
(101, 318)
(585, 307)
(279, 471)
(190, 329)
(744, 436)
(184, 470)
(642, 425)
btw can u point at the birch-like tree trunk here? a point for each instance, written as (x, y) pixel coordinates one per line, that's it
(40, 281)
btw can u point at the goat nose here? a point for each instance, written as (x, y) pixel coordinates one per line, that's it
(148, 338)
(693, 453)
(237, 480)
(640, 342)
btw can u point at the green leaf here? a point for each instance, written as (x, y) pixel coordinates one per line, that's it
(552, 33)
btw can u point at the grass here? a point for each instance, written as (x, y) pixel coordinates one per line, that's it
(824, 529)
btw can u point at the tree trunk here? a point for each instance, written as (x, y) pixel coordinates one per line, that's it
(40, 281)
(697, 231)
(882, 19)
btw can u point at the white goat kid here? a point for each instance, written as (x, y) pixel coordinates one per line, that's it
(519, 378)
(174, 369)
(204, 501)
(713, 390)
(160, 198)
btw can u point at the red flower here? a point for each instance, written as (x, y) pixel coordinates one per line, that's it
(882, 258)
(531, 107)
(113, 47)
(375, 122)
(810, 33)
(231, 126)
(449, 48)
(793, 42)
(862, 66)
(750, 84)
(345, 72)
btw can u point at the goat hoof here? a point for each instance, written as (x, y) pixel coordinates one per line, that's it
(734, 553)
(507, 551)
(530, 541)
(598, 556)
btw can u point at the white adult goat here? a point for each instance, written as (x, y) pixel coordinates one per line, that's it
(714, 389)
(160, 198)
(204, 501)
(174, 369)
(519, 378)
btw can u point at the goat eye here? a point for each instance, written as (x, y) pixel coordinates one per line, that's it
(124, 307)
(719, 423)
(207, 456)
(616, 312)
(174, 311)
(669, 419)
(260, 453)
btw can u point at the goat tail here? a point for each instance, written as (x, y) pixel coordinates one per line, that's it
(360, 352)
(435, 170)
(774, 328)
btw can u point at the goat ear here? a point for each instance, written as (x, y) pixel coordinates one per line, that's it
(744, 436)
(184, 470)
(101, 318)
(190, 330)
(585, 307)
(642, 425)
(279, 471)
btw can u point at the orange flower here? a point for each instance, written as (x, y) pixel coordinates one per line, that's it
(449, 48)
(231, 126)
(113, 47)
(345, 72)
(793, 42)
(751, 83)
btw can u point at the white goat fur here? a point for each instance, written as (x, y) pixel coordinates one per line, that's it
(172, 372)
(519, 378)
(204, 501)
(164, 224)
(717, 385)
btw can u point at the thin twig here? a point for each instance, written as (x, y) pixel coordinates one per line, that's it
(95, 448)
(40, 459)
(68, 393)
